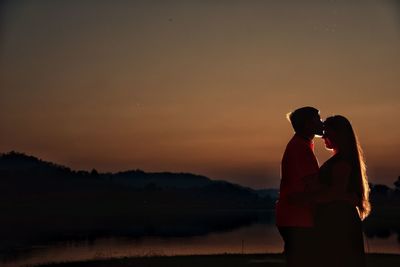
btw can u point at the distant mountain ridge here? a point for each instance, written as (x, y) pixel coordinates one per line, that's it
(19, 166)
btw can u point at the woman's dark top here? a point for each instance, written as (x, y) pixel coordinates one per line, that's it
(338, 225)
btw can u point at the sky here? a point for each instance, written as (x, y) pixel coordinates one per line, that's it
(196, 86)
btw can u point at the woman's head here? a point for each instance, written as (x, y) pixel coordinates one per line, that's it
(340, 137)
(339, 134)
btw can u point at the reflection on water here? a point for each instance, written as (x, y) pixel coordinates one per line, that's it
(256, 238)
(383, 245)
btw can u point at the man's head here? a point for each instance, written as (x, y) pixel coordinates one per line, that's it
(306, 121)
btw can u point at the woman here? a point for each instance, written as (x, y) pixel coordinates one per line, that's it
(338, 217)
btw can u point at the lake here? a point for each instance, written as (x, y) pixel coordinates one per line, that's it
(259, 237)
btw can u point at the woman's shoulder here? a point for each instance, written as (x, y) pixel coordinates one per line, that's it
(341, 165)
(337, 162)
(338, 158)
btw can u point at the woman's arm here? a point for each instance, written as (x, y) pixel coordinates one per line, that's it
(316, 192)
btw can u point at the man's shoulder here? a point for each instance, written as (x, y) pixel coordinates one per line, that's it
(292, 149)
(297, 149)
(296, 143)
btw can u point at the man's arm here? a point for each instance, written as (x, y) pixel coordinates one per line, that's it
(336, 191)
(306, 168)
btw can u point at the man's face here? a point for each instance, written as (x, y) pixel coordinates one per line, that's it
(317, 125)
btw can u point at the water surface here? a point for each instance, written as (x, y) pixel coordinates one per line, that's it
(255, 238)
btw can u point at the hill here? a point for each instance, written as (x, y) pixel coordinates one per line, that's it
(43, 201)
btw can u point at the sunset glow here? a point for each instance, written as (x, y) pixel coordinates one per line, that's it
(196, 86)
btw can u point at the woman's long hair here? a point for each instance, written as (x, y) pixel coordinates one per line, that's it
(348, 146)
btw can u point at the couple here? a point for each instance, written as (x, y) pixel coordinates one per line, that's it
(320, 209)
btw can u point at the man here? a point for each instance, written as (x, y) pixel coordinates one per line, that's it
(294, 219)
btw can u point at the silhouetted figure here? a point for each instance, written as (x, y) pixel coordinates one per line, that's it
(295, 219)
(342, 201)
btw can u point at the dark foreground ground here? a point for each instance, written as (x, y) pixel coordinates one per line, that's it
(234, 260)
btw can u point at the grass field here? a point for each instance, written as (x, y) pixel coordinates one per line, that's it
(233, 260)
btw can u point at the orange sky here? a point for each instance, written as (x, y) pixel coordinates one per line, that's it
(196, 86)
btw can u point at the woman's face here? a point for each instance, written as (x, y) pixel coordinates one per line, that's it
(329, 137)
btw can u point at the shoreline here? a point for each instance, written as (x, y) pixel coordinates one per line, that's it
(210, 260)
